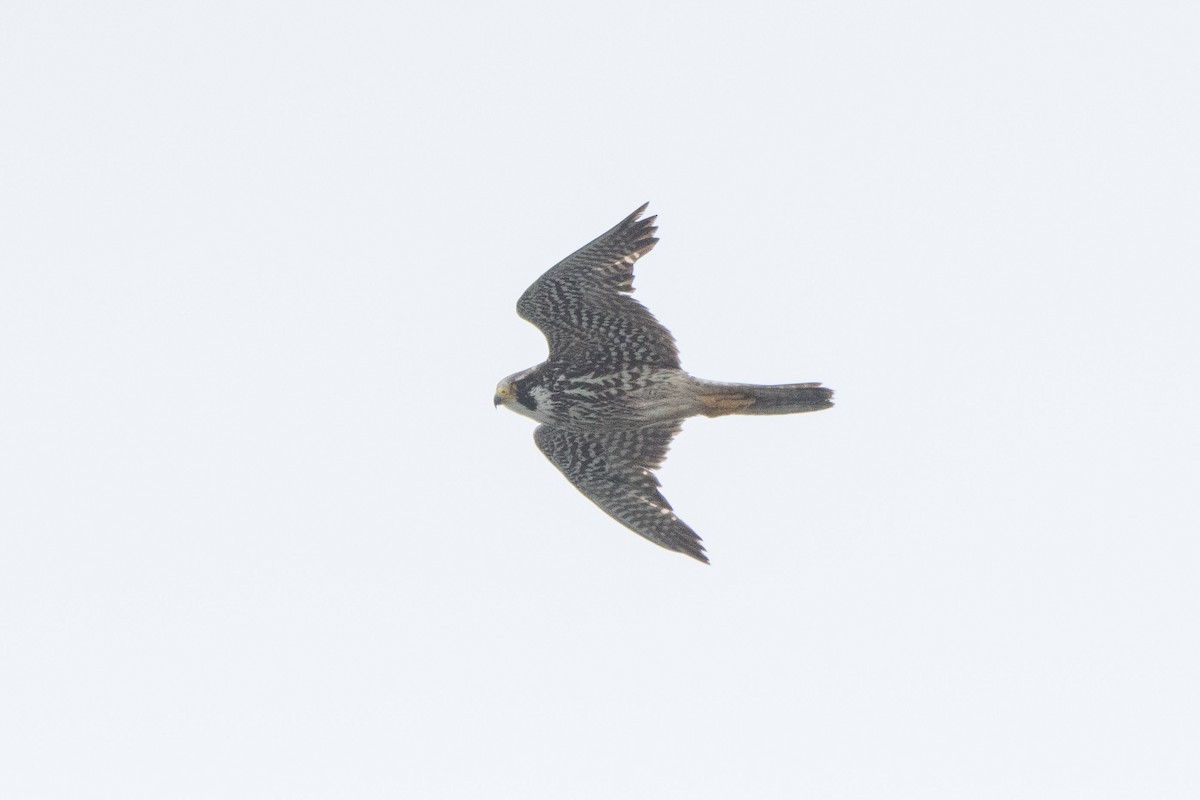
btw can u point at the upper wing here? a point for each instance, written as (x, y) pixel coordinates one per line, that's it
(613, 469)
(582, 303)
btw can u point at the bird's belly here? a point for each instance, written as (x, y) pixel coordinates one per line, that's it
(619, 401)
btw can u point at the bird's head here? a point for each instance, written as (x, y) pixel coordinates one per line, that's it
(506, 392)
(516, 393)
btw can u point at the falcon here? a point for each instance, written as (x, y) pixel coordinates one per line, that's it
(612, 395)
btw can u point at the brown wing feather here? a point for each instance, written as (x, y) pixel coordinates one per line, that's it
(615, 471)
(582, 304)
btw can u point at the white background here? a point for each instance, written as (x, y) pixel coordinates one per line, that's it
(264, 535)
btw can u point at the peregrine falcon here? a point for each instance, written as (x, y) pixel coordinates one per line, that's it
(611, 395)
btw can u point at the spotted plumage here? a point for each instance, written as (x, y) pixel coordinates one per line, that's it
(612, 395)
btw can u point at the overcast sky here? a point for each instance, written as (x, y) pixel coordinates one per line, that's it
(263, 535)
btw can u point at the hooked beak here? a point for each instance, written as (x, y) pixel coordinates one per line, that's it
(496, 401)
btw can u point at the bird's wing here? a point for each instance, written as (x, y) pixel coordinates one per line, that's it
(614, 470)
(582, 303)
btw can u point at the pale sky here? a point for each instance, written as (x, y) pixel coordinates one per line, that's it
(263, 534)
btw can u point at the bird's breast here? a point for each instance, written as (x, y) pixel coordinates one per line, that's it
(616, 400)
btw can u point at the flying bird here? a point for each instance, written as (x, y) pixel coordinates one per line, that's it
(612, 395)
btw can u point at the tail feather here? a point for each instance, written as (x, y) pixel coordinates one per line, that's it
(719, 399)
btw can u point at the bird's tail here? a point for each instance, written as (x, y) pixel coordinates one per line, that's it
(719, 399)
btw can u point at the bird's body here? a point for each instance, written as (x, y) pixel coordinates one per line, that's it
(566, 397)
(612, 393)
